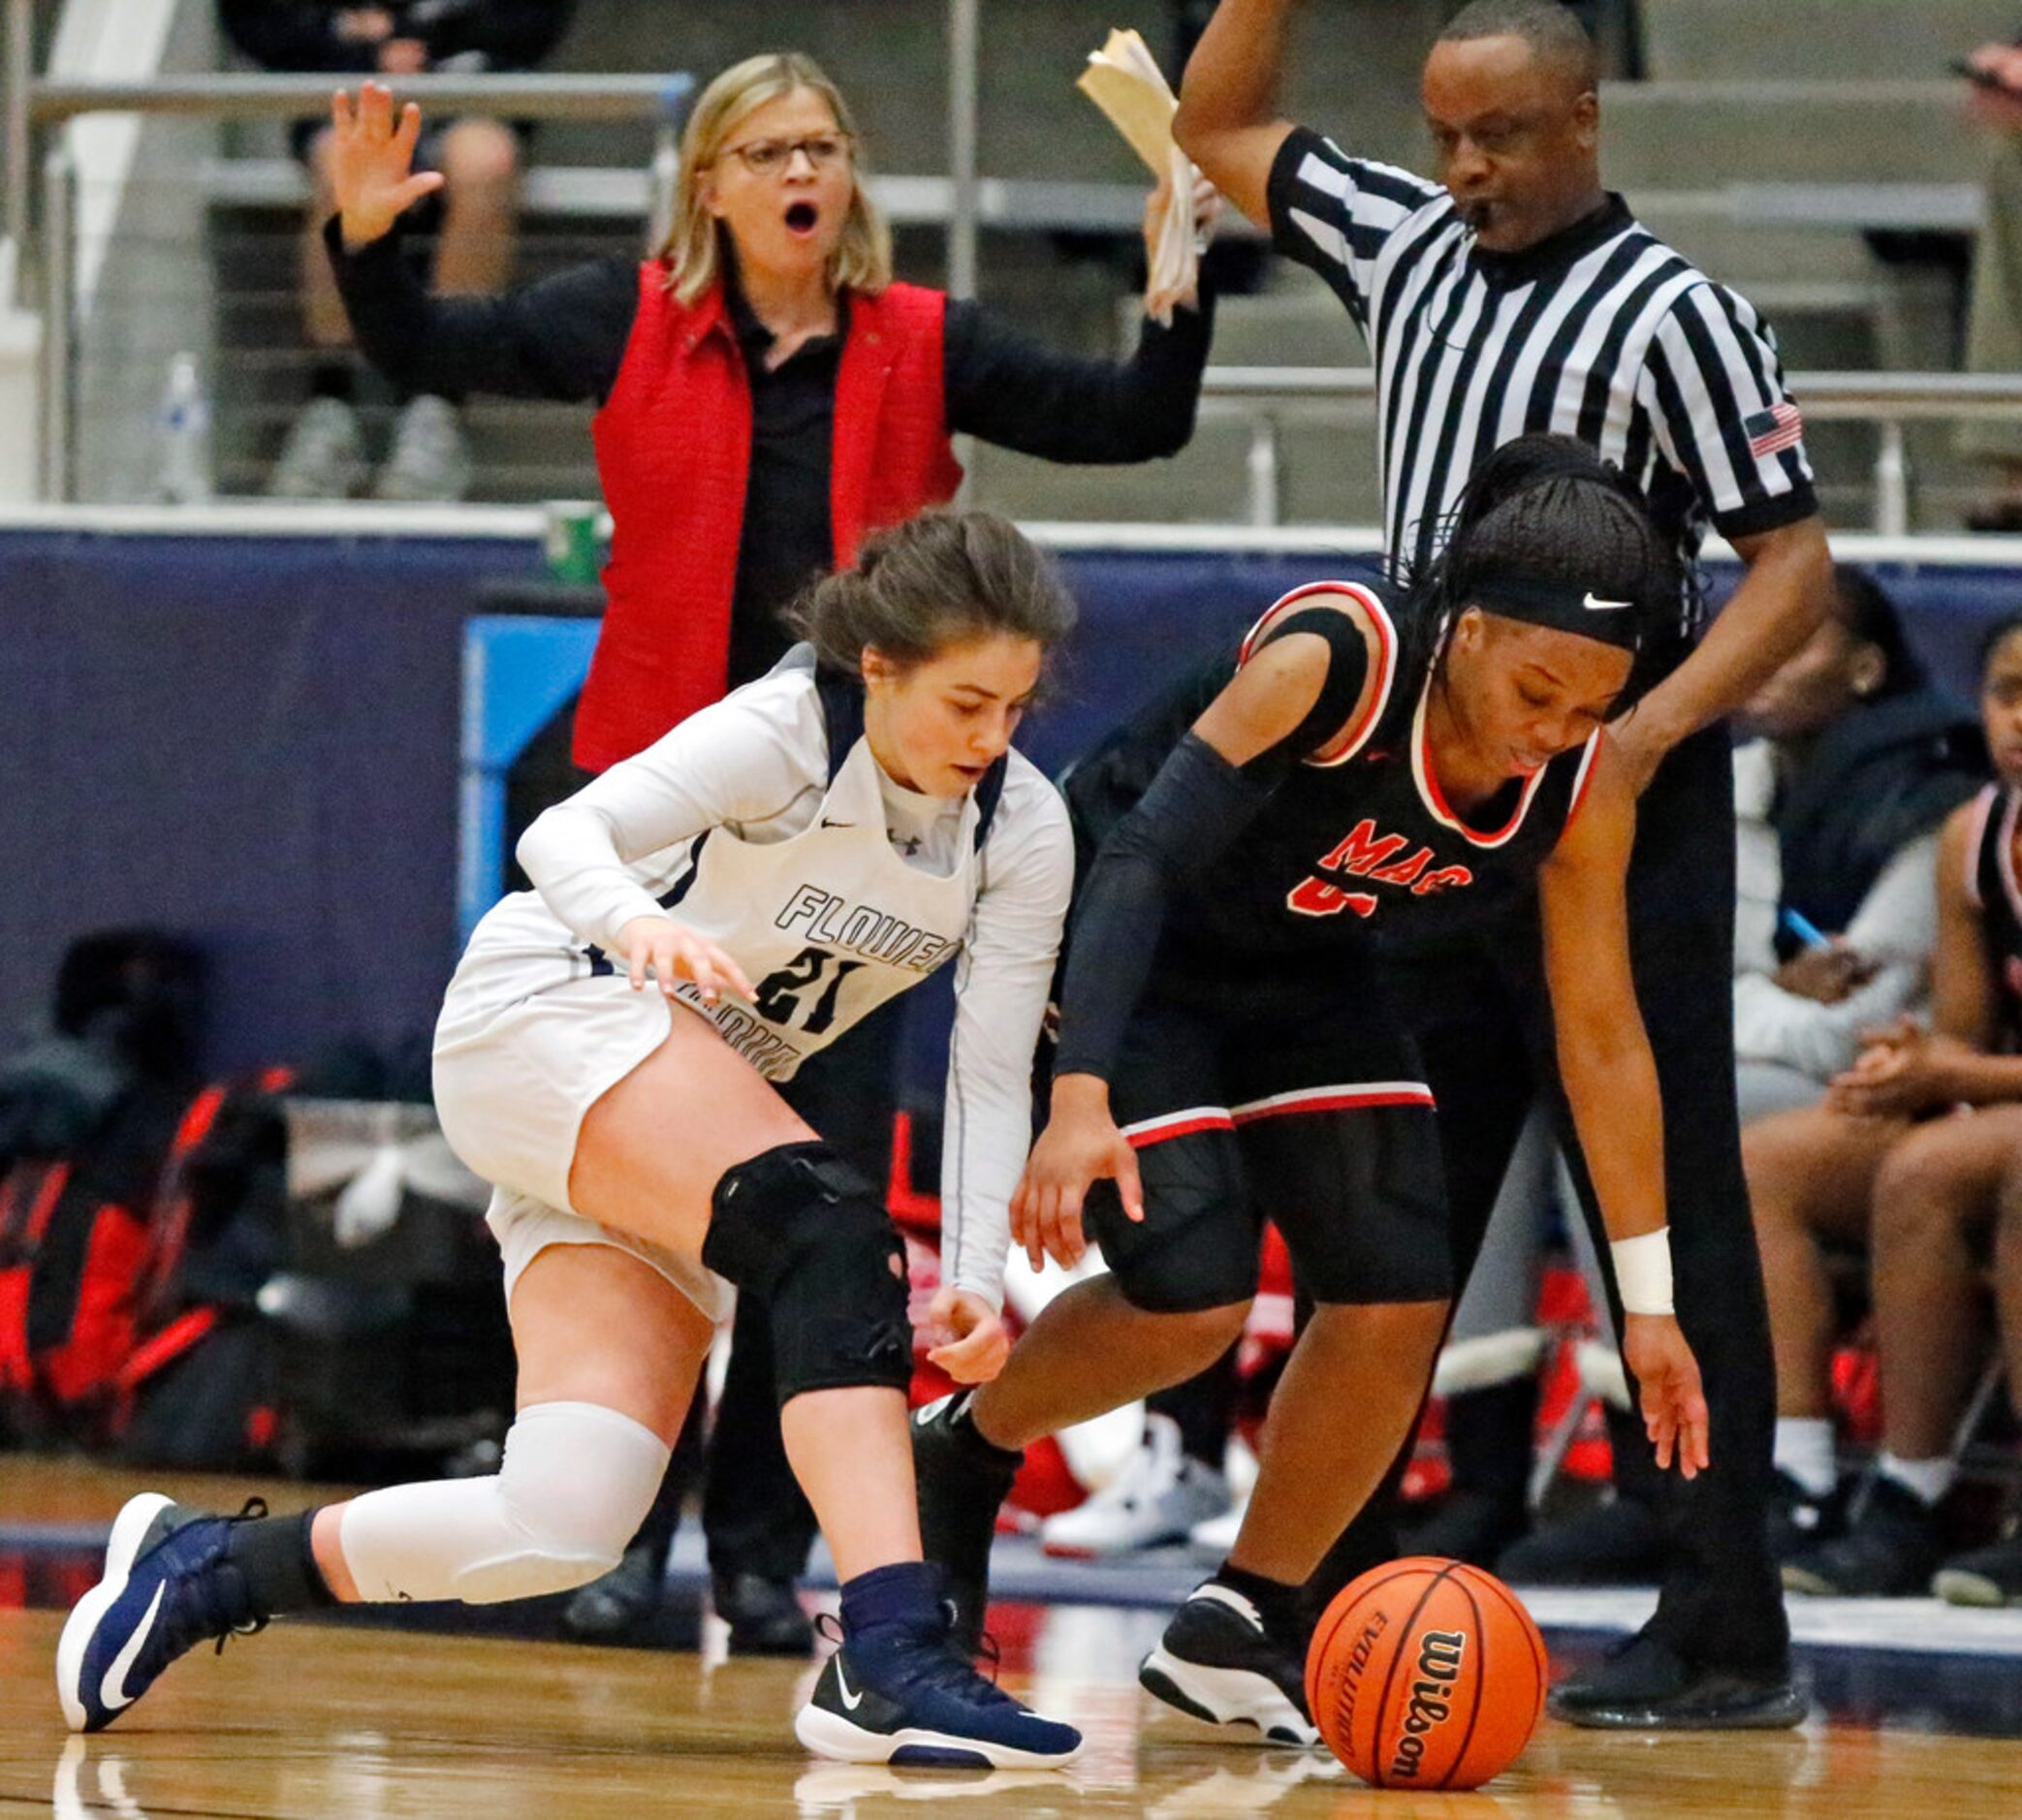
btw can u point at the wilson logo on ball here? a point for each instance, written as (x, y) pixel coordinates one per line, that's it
(1440, 1656)
(1426, 1673)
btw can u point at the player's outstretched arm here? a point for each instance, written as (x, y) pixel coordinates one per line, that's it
(1610, 1080)
(1228, 121)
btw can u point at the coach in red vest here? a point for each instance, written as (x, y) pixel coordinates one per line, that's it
(769, 393)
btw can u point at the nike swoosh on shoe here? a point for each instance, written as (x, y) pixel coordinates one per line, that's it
(851, 1702)
(111, 1692)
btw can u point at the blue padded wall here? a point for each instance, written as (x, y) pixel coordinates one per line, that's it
(256, 741)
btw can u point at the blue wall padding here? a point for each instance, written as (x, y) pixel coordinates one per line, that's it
(255, 741)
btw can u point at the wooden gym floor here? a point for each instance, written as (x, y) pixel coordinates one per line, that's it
(368, 1723)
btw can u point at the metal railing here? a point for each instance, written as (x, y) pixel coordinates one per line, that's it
(1265, 395)
(661, 99)
(28, 103)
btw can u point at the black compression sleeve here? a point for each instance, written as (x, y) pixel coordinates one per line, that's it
(1197, 809)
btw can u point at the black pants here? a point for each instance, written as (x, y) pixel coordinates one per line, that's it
(1483, 1021)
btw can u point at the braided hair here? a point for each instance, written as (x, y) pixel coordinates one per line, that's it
(1545, 512)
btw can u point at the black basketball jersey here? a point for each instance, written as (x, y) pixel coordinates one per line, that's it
(1992, 885)
(1356, 840)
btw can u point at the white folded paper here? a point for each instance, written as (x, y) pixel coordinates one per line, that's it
(1124, 81)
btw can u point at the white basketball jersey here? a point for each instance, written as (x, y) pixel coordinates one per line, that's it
(827, 924)
(765, 823)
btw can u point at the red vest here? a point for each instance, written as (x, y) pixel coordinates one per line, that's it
(674, 452)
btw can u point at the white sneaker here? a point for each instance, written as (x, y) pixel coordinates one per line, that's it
(1217, 1536)
(430, 458)
(323, 456)
(1157, 1497)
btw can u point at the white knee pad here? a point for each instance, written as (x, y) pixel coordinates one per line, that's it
(576, 1482)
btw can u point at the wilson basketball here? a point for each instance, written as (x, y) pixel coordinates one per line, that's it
(1426, 1673)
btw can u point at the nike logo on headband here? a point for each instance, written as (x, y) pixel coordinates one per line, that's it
(1594, 605)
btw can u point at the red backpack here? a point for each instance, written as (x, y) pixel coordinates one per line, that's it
(92, 1256)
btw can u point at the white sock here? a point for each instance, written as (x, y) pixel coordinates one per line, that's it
(1804, 1452)
(1929, 1479)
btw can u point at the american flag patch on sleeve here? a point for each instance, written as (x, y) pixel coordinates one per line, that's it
(1780, 426)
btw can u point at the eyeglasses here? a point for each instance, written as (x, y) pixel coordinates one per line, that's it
(772, 157)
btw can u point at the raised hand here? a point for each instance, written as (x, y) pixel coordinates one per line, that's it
(373, 163)
(1207, 214)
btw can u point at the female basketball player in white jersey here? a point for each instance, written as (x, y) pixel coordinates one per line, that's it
(708, 914)
(1374, 769)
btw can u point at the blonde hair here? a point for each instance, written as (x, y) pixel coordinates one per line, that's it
(862, 257)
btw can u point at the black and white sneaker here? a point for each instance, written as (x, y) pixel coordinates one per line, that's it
(1801, 1521)
(962, 1481)
(1215, 1663)
(1889, 1549)
(902, 1693)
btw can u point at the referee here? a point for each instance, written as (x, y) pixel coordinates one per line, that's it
(1517, 295)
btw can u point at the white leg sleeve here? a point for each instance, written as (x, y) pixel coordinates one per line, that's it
(576, 1482)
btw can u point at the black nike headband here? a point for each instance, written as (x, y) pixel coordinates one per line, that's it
(1561, 605)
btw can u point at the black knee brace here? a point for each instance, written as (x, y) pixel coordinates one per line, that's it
(804, 1232)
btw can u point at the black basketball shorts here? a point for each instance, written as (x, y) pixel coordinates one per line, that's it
(1313, 1115)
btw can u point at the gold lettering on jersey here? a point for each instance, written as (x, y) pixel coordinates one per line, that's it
(1366, 854)
(861, 929)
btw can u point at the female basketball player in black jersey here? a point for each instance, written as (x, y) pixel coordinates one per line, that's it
(1375, 765)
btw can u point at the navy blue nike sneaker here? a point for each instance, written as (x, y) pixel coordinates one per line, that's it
(902, 1693)
(166, 1587)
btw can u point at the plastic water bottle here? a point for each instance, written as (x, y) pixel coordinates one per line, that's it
(182, 436)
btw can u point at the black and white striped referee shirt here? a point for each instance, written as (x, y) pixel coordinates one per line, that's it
(1601, 331)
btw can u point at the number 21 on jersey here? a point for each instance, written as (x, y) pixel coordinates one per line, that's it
(803, 994)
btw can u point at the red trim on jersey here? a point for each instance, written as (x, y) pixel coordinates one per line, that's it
(1585, 776)
(1333, 1099)
(1430, 796)
(1146, 1132)
(1349, 741)
(1339, 1098)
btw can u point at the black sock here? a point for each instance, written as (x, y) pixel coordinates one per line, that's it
(1281, 1606)
(279, 1565)
(1204, 1408)
(335, 379)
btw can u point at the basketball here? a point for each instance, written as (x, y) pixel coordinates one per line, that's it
(1426, 1673)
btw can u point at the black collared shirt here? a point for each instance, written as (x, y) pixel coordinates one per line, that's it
(788, 537)
(564, 338)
